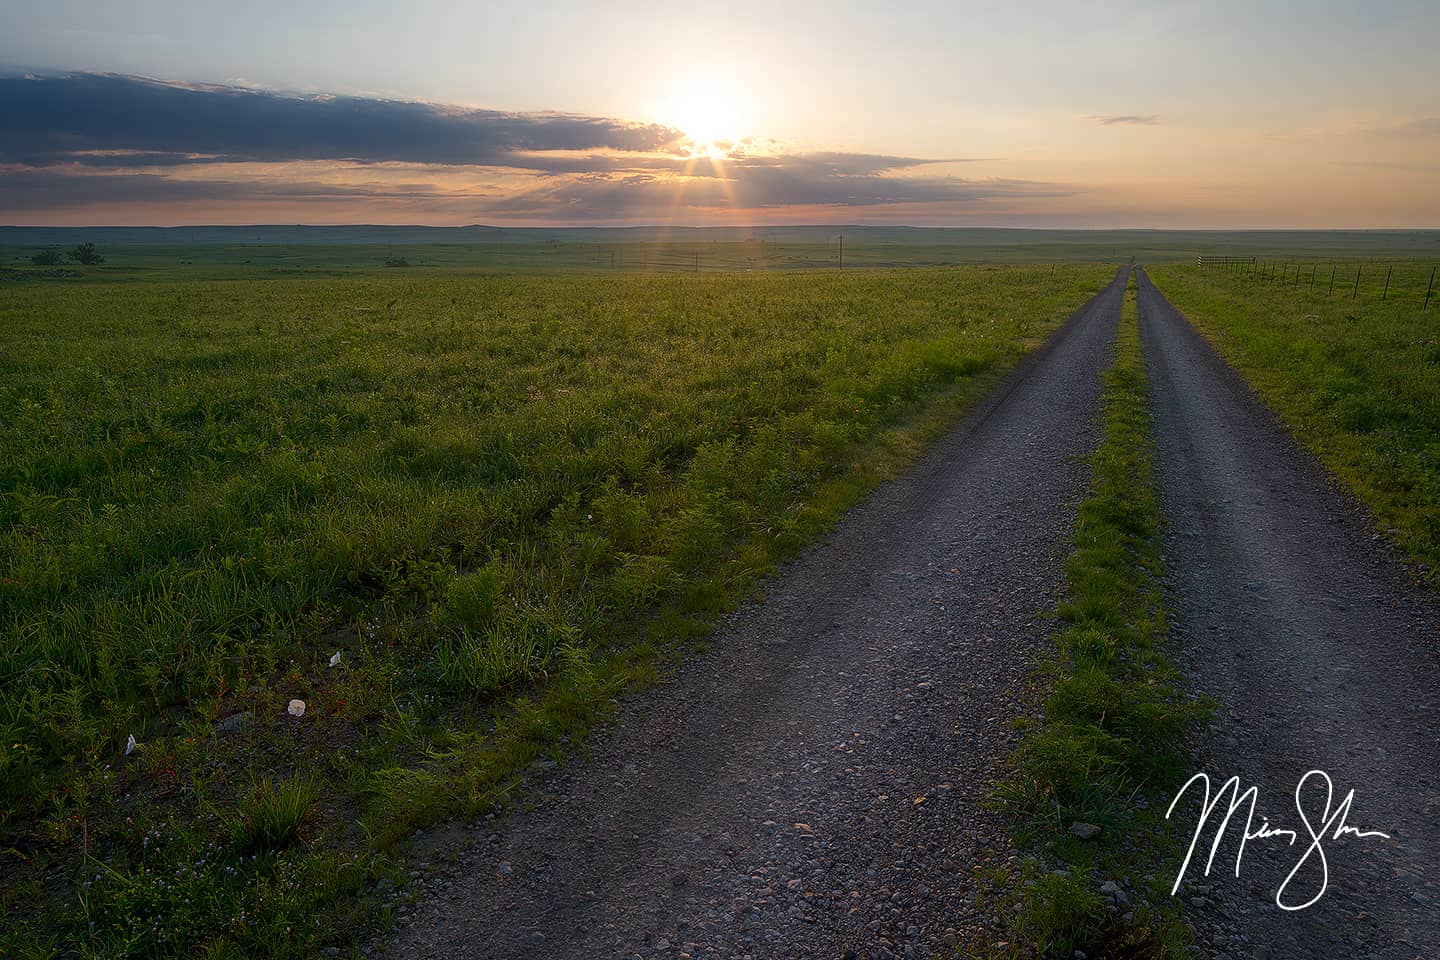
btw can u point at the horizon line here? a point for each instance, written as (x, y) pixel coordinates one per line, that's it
(672, 226)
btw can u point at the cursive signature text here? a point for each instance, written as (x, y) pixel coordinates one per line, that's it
(1330, 824)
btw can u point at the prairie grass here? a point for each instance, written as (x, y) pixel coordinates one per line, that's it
(1107, 744)
(1355, 378)
(501, 501)
(271, 815)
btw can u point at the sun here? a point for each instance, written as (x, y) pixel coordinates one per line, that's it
(709, 109)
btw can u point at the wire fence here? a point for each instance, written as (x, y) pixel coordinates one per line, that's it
(1403, 280)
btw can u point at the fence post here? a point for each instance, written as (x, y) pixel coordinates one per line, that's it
(1332, 281)
(1297, 276)
(1387, 283)
(1356, 292)
(1429, 288)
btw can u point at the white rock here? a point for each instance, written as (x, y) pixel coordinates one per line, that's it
(335, 660)
(296, 708)
(130, 745)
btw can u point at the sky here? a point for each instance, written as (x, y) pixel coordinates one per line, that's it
(1041, 114)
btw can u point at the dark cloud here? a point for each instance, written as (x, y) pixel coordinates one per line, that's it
(1134, 119)
(753, 184)
(121, 159)
(841, 164)
(819, 164)
(48, 120)
(28, 191)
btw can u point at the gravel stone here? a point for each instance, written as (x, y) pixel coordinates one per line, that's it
(235, 722)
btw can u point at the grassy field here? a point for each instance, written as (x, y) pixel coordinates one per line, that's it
(199, 253)
(1114, 714)
(455, 517)
(1356, 377)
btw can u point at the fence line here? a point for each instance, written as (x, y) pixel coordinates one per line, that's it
(1269, 271)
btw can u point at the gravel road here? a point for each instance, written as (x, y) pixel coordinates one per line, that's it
(811, 786)
(1322, 654)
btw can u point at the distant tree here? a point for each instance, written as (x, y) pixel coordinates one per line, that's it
(86, 254)
(48, 258)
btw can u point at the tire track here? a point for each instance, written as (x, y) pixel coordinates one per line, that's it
(1321, 653)
(811, 786)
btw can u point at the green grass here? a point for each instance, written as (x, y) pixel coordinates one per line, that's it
(866, 249)
(501, 501)
(1106, 747)
(1355, 378)
(271, 815)
(207, 253)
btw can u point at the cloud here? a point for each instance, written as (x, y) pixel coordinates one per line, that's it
(38, 190)
(772, 185)
(1419, 127)
(49, 120)
(1132, 119)
(1387, 164)
(757, 184)
(101, 141)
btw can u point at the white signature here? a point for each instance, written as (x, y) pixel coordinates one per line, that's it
(1331, 825)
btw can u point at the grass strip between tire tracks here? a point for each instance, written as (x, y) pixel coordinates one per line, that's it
(1106, 749)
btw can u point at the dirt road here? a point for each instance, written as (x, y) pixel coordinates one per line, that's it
(1322, 655)
(812, 786)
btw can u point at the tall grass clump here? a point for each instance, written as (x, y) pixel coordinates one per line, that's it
(271, 815)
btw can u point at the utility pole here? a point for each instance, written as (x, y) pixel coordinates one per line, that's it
(842, 251)
(1387, 283)
(1429, 288)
